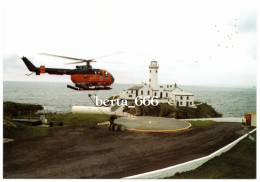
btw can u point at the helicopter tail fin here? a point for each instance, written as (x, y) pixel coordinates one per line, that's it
(30, 66)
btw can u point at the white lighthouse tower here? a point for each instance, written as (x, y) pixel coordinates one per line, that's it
(153, 74)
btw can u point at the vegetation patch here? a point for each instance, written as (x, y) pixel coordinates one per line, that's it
(16, 130)
(77, 119)
(13, 109)
(165, 110)
(113, 97)
(238, 163)
(200, 123)
(20, 131)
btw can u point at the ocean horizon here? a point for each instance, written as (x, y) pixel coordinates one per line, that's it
(231, 101)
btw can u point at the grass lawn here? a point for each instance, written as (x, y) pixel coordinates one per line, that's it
(200, 123)
(237, 163)
(22, 131)
(78, 119)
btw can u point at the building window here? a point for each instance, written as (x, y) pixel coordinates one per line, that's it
(154, 93)
(166, 94)
(142, 92)
(181, 97)
(148, 92)
(149, 80)
(155, 71)
(180, 103)
(132, 91)
(150, 71)
(190, 103)
(130, 95)
(187, 97)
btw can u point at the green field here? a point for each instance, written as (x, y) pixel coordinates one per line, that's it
(21, 131)
(238, 163)
(17, 130)
(77, 119)
(200, 123)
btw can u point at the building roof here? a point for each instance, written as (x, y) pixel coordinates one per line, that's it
(135, 88)
(182, 93)
(176, 89)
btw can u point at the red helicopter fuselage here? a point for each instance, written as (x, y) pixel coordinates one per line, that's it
(99, 77)
(83, 77)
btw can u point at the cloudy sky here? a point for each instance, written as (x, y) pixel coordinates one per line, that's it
(195, 42)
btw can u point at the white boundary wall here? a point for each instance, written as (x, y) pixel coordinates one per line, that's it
(187, 166)
(227, 119)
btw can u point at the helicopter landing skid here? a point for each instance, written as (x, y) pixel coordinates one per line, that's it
(95, 88)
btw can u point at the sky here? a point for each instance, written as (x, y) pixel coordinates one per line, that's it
(197, 42)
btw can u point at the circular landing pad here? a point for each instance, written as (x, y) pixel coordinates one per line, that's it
(153, 124)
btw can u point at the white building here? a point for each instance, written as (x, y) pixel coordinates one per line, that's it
(168, 94)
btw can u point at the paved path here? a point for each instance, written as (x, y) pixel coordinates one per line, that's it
(96, 152)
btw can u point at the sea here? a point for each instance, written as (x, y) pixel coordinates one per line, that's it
(57, 98)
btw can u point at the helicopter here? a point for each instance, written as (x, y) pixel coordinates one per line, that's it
(84, 76)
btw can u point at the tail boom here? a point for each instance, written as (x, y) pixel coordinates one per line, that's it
(42, 69)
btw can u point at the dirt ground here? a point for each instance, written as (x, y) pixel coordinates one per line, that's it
(82, 152)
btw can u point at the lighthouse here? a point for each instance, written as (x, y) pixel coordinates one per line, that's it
(153, 74)
(170, 94)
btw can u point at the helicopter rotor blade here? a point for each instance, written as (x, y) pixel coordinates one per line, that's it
(78, 59)
(112, 62)
(78, 62)
(65, 57)
(107, 55)
(29, 74)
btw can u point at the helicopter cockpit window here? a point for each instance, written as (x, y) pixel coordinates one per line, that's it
(95, 72)
(99, 72)
(106, 74)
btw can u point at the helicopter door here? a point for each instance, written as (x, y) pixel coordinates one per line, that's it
(100, 72)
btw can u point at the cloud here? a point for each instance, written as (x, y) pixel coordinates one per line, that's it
(183, 37)
(247, 22)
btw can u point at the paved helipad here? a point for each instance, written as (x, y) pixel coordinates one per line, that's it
(153, 124)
